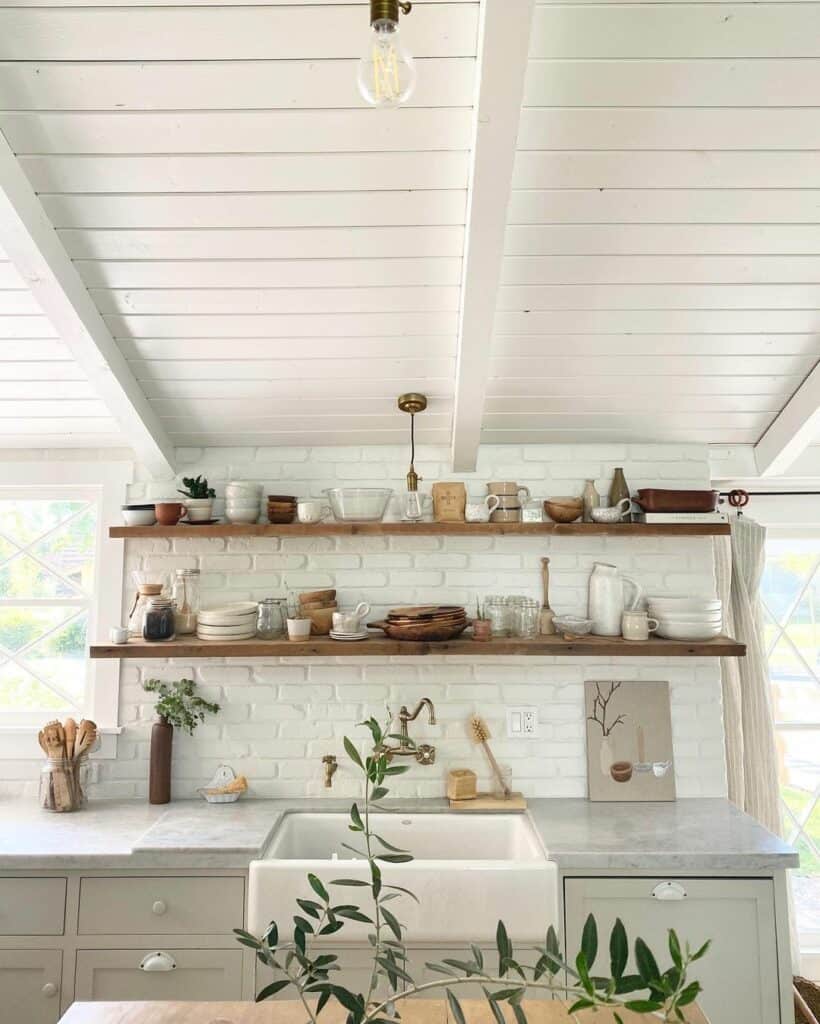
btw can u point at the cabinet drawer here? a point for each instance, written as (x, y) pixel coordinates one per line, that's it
(161, 906)
(32, 906)
(30, 985)
(209, 975)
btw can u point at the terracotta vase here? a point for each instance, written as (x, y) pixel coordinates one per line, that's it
(159, 776)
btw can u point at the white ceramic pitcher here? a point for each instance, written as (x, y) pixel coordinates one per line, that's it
(607, 599)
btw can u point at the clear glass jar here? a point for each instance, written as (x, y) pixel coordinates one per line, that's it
(60, 785)
(158, 623)
(186, 600)
(525, 617)
(497, 610)
(270, 618)
(532, 511)
(136, 619)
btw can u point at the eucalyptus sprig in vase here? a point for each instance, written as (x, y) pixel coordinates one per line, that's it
(178, 705)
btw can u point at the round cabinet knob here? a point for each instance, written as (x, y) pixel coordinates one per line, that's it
(49, 990)
(159, 907)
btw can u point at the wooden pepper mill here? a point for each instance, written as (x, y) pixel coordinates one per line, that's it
(546, 623)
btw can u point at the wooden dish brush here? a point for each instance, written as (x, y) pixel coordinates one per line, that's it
(479, 733)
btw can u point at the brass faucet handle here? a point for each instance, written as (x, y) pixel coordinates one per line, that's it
(425, 754)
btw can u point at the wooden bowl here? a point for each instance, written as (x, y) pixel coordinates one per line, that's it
(321, 620)
(422, 631)
(564, 510)
(621, 771)
(312, 596)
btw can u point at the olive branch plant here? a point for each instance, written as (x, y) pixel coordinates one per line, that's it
(309, 973)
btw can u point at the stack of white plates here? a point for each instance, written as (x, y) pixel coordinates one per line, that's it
(242, 501)
(230, 622)
(687, 618)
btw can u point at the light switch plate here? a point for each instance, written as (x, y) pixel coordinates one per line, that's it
(522, 722)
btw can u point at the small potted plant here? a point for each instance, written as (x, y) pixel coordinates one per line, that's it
(178, 705)
(199, 498)
(482, 628)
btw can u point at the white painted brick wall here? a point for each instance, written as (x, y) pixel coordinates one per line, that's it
(280, 716)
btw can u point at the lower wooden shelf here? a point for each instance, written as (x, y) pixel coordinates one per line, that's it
(555, 646)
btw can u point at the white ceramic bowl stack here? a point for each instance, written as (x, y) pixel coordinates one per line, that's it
(242, 501)
(230, 622)
(687, 618)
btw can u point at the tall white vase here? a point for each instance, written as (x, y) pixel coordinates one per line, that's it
(607, 600)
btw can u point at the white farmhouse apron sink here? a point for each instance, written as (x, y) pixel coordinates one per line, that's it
(469, 871)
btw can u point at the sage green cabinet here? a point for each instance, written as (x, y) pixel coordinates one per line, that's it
(739, 974)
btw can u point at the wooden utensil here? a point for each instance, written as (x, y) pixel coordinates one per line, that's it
(546, 620)
(479, 733)
(70, 729)
(86, 737)
(54, 739)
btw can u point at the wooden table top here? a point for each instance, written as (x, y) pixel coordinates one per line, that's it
(414, 1011)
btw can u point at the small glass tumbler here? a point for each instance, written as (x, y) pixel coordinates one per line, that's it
(497, 611)
(270, 618)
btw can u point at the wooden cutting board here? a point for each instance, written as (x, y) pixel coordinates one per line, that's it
(414, 1011)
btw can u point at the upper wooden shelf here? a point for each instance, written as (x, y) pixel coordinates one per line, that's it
(556, 646)
(427, 529)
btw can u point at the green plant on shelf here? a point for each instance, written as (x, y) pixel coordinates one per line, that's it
(308, 972)
(178, 703)
(196, 487)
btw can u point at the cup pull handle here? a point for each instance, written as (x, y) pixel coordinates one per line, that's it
(669, 891)
(158, 962)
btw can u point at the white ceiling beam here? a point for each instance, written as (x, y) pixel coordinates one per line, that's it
(503, 46)
(793, 430)
(32, 244)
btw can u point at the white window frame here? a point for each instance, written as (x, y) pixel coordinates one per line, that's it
(793, 517)
(106, 483)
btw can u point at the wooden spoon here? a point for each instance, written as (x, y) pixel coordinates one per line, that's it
(86, 737)
(546, 623)
(70, 729)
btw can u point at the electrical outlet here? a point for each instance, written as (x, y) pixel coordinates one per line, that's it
(522, 723)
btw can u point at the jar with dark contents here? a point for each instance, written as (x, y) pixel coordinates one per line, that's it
(159, 619)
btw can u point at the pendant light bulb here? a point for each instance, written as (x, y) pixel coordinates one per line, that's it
(386, 73)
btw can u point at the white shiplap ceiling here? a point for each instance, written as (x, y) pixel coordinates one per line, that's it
(46, 401)
(277, 261)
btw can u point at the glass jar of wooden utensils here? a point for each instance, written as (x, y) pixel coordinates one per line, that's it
(61, 784)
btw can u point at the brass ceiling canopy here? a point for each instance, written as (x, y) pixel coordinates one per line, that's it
(412, 402)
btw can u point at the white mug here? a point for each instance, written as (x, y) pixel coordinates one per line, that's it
(311, 511)
(637, 625)
(478, 510)
(118, 634)
(350, 622)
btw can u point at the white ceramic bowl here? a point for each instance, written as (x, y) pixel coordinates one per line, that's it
(226, 631)
(230, 610)
(687, 616)
(244, 516)
(139, 516)
(238, 489)
(687, 631)
(685, 604)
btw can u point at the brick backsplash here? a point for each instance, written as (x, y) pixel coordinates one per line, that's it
(280, 716)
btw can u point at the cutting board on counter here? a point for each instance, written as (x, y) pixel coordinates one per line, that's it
(414, 1011)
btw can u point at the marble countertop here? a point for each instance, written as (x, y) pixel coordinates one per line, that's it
(689, 835)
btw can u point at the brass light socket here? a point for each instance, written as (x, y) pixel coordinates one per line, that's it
(387, 10)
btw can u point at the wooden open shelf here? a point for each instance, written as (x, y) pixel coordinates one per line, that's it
(427, 530)
(556, 646)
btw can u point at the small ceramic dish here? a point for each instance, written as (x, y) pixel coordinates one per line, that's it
(612, 514)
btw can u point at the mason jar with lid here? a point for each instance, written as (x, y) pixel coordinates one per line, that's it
(270, 619)
(159, 619)
(186, 600)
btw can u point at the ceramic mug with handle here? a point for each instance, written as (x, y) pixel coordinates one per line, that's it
(169, 513)
(351, 622)
(508, 489)
(478, 510)
(312, 511)
(637, 625)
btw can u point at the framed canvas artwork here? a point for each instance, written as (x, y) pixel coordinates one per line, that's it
(629, 740)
